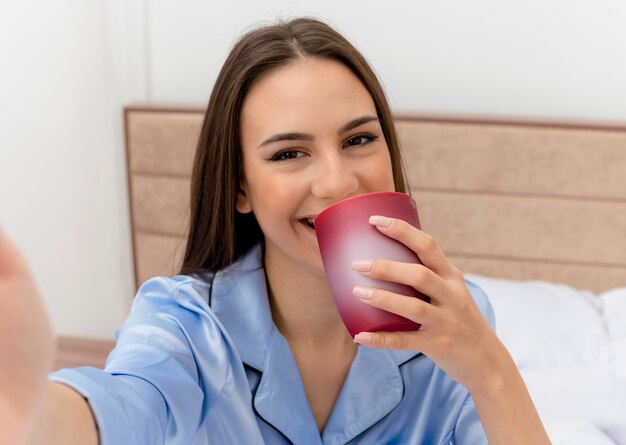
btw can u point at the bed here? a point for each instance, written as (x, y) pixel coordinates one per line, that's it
(533, 212)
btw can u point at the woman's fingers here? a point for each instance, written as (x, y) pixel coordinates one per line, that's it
(413, 308)
(408, 341)
(418, 276)
(426, 248)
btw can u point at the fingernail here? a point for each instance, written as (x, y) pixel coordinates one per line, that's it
(364, 338)
(362, 266)
(365, 293)
(380, 221)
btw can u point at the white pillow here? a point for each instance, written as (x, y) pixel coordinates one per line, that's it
(546, 324)
(614, 311)
(576, 432)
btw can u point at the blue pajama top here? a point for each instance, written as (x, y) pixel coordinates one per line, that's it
(200, 361)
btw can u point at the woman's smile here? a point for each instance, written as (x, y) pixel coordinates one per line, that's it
(308, 222)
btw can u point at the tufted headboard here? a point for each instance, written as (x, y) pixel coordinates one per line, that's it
(515, 200)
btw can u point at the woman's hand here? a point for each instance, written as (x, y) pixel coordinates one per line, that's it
(454, 333)
(26, 347)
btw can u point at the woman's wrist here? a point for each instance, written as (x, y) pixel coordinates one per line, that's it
(504, 405)
(499, 372)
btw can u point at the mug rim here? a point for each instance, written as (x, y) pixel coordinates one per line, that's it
(358, 197)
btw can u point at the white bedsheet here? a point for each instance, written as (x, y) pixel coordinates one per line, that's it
(584, 404)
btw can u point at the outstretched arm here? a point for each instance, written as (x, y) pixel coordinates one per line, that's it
(32, 410)
(454, 334)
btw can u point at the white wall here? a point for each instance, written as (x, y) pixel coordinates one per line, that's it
(69, 66)
(559, 58)
(62, 177)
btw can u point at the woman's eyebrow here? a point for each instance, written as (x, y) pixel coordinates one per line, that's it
(293, 136)
(356, 123)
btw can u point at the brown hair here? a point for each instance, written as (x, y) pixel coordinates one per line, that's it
(218, 234)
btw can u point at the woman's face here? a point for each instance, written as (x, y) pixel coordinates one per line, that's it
(310, 137)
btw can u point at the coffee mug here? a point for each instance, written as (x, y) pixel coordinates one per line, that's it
(344, 235)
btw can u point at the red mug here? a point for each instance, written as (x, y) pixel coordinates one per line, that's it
(344, 235)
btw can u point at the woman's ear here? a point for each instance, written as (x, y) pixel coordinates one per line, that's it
(243, 202)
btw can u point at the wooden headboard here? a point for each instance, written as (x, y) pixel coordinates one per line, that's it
(523, 200)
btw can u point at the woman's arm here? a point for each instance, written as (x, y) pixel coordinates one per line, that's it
(454, 334)
(32, 410)
(506, 410)
(65, 419)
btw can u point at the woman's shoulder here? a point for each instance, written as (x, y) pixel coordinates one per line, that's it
(171, 316)
(179, 291)
(177, 287)
(174, 303)
(188, 300)
(196, 288)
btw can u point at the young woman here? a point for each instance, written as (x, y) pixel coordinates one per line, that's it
(246, 345)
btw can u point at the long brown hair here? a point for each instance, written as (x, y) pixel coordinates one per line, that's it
(218, 234)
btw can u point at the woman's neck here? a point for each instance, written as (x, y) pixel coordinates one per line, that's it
(303, 308)
(304, 312)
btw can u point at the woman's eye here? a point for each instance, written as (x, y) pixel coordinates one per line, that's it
(361, 139)
(286, 155)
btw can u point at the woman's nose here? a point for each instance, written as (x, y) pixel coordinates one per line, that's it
(334, 178)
